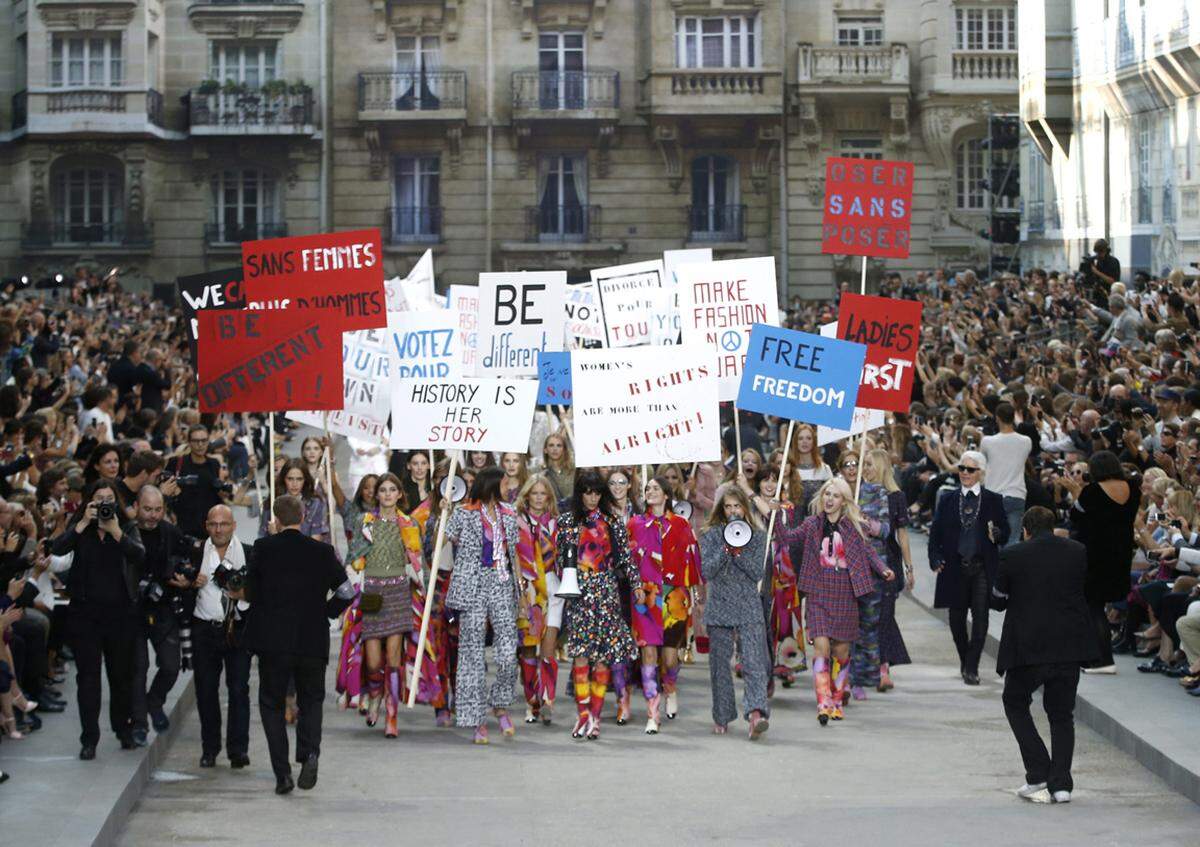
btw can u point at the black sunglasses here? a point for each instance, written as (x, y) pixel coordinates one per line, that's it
(968, 469)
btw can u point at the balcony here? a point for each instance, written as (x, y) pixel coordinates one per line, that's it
(561, 224)
(110, 237)
(560, 238)
(264, 18)
(984, 65)
(716, 224)
(709, 92)
(882, 70)
(232, 235)
(64, 111)
(412, 96)
(591, 95)
(413, 225)
(20, 109)
(271, 110)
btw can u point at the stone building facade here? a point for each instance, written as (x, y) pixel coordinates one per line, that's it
(504, 134)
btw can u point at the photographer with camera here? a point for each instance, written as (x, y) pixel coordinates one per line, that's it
(195, 485)
(1100, 269)
(165, 592)
(142, 468)
(218, 627)
(103, 584)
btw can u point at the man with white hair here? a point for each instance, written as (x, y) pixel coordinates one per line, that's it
(969, 528)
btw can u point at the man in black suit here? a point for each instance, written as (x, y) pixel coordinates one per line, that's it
(969, 528)
(289, 581)
(1047, 636)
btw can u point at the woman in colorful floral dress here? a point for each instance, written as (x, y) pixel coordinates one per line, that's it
(596, 544)
(665, 552)
(349, 676)
(386, 548)
(541, 613)
(836, 568)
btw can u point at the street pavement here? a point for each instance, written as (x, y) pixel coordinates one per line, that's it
(931, 763)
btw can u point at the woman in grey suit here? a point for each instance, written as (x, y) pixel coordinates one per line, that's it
(483, 588)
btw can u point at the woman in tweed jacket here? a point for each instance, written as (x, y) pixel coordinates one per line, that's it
(483, 588)
(835, 569)
(733, 605)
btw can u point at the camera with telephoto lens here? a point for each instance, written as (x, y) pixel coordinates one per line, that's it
(1085, 264)
(105, 511)
(229, 579)
(192, 480)
(150, 590)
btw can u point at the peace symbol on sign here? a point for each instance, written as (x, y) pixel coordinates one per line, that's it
(731, 340)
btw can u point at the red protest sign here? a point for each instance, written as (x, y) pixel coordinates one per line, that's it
(269, 360)
(868, 207)
(340, 271)
(891, 329)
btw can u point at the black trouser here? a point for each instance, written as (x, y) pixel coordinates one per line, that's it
(1058, 683)
(1103, 632)
(275, 672)
(163, 633)
(104, 635)
(973, 597)
(33, 629)
(213, 653)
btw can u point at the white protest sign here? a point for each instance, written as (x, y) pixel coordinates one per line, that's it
(672, 259)
(666, 314)
(644, 405)
(416, 291)
(718, 303)
(520, 315)
(366, 388)
(424, 345)
(464, 299)
(864, 419)
(628, 296)
(583, 313)
(466, 414)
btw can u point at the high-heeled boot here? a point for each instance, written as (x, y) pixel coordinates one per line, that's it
(821, 685)
(529, 681)
(600, 677)
(549, 684)
(374, 695)
(650, 690)
(841, 688)
(581, 676)
(391, 728)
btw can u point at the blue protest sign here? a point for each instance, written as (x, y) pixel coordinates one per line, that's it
(554, 379)
(800, 376)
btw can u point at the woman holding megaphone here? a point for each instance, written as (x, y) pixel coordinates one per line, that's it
(732, 550)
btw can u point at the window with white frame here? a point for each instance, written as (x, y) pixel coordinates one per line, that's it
(416, 211)
(244, 203)
(86, 61)
(417, 59)
(1144, 152)
(862, 148)
(860, 31)
(715, 212)
(89, 204)
(724, 42)
(985, 28)
(561, 81)
(251, 64)
(970, 192)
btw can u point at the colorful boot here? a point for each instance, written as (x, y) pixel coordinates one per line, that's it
(670, 678)
(391, 729)
(841, 688)
(529, 680)
(821, 685)
(620, 677)
(650, 689)
(885, 678)
(583, 700)
(374, 695)
(549, 682)
(600, 677)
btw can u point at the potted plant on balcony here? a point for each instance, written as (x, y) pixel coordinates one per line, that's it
(231, 94)
(273, 92)
(208, 86)
(302, 92)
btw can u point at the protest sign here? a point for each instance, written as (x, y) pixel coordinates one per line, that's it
(338, 271)
(366, 389)
(628, 296)
(464, 299)
(414, 292)
(637, 406)
(672, 259)
(520, 315)
(667, 323)
(891, 329)
(554, 379)
(801, 376)
(221, 289)
(264, 360)
(583, 314)
(864, 420)
(468, 414)
(868, 207)
(424, 345)
(718, 303)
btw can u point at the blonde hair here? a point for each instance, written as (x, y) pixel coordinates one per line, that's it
(530, 484)
(880, 463)
(1183, 503)
(661, 472)
(849, 507)
(716, 518)
(568, 459)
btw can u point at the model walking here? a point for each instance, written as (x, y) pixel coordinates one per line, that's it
(541, 617)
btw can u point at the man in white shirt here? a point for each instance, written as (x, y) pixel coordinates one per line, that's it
(1006, 453)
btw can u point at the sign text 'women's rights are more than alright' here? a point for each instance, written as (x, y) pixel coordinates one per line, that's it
(719, 302)
(801, 376)
(338, 271)
(487, 413)
(520, 315)
(868, 207)
(644, 405)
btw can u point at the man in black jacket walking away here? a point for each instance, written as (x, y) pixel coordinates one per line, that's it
(1047, 637)
(289, 582)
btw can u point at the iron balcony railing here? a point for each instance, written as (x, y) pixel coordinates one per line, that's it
(567, 223)
(716, 223)
(72, 234)
(233, 233)
(407, 224)
(253, 108)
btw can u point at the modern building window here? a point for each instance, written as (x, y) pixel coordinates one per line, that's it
(862, 148)
(416, 211)
(251, 64)
(724, 42)
(562, 192)
(985, 28)
(417, 59)
(245, 205)
(86, 61)
(561, 81)
(89, 204)
(715, 214)
(969, 175)
(860, 31)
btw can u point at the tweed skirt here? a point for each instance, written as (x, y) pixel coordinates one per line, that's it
(831, 611)
(396, 616)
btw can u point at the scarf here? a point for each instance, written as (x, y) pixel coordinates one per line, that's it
(494, 548)
(535, 546)
(595, 544)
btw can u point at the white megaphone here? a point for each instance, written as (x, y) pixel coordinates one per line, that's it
(568, 589)
(737, 534)
(682, 508)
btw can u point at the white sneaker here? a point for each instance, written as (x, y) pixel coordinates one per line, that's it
(1105, 669)
(1062, 796)
(1042, 796)
(672, 705)
(651, 726)
(1025, 790)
